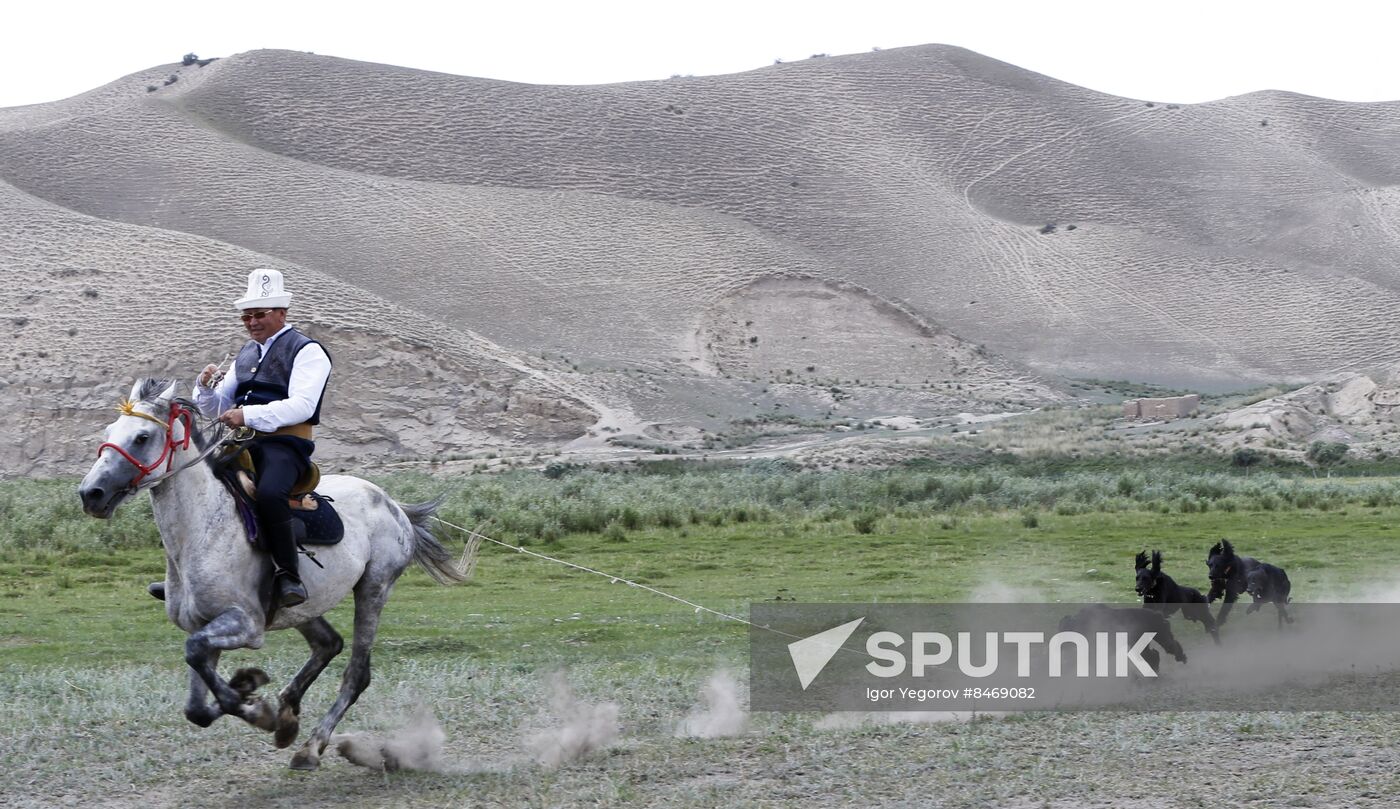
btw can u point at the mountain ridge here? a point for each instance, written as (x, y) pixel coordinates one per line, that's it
(646, 253)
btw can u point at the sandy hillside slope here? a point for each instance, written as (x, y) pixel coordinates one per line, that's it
(100, 303)
(916, 231)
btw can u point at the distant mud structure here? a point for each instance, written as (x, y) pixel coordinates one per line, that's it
(799, 329)
(1175, 407)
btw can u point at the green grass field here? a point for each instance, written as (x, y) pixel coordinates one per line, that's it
(95, 680)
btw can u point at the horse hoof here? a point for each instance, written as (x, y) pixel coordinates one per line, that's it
(246, 681)
(305, 760)
(287, 727)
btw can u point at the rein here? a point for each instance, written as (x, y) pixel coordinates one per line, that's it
(179, 413)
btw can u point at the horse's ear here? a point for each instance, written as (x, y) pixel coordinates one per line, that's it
(1141, 561)
(135, 395)
(1226, 547)
(171, 391)
(1215, 549)
(1156, 561)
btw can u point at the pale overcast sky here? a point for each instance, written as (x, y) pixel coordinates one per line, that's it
(1181, 51)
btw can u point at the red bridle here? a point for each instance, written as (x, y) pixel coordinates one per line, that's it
(177, 413)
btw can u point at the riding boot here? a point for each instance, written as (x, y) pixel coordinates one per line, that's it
(157, 590)
(282, 544)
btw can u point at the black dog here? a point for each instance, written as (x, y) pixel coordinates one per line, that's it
(1161, 592)
(1136, 621)
(1269, 584)
(1229, 576)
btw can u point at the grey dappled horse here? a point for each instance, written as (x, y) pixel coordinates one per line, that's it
(213, 576)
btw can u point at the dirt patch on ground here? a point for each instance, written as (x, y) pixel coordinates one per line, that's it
(809, 330)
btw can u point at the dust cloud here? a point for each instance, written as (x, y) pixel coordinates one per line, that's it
(585, 728)
(721, 715)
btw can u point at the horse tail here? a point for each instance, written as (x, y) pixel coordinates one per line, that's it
(428, 549)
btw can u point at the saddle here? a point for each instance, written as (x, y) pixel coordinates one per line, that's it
(314, 520)
(301, 491)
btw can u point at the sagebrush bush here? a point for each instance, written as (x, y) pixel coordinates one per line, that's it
(45, 516)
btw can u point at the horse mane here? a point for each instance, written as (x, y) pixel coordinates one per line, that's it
(201, 441)
(150, 387)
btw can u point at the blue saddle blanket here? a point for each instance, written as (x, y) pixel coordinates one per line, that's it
(321, 525)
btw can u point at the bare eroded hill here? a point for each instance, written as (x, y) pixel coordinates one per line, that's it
(921, 231)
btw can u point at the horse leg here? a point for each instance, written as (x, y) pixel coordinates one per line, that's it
(369, 601)
(232, 629)
(325, 644)
(198, 709)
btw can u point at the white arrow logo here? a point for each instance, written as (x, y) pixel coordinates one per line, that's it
(811, 654)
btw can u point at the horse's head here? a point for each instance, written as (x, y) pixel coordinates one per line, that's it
(139, 447)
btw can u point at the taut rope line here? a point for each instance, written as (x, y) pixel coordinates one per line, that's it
(614, 579)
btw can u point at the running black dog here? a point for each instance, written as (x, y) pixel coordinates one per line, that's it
(1269, 584)
(1229, 576)
(1161, 592)
(1135, 621)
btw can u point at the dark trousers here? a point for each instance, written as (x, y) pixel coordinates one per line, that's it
(280, 461)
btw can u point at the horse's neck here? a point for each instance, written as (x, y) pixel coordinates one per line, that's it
(192, 509)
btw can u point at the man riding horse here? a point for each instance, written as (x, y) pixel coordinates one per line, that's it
(213, 585)
(276, 389)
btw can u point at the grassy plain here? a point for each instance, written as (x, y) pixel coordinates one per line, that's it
(94, 676)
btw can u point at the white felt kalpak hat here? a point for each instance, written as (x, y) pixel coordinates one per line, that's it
(264, 291)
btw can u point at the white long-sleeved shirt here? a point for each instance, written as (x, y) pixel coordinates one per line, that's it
(310, 370)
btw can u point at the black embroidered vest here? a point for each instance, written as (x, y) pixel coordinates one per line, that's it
(266, 381)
